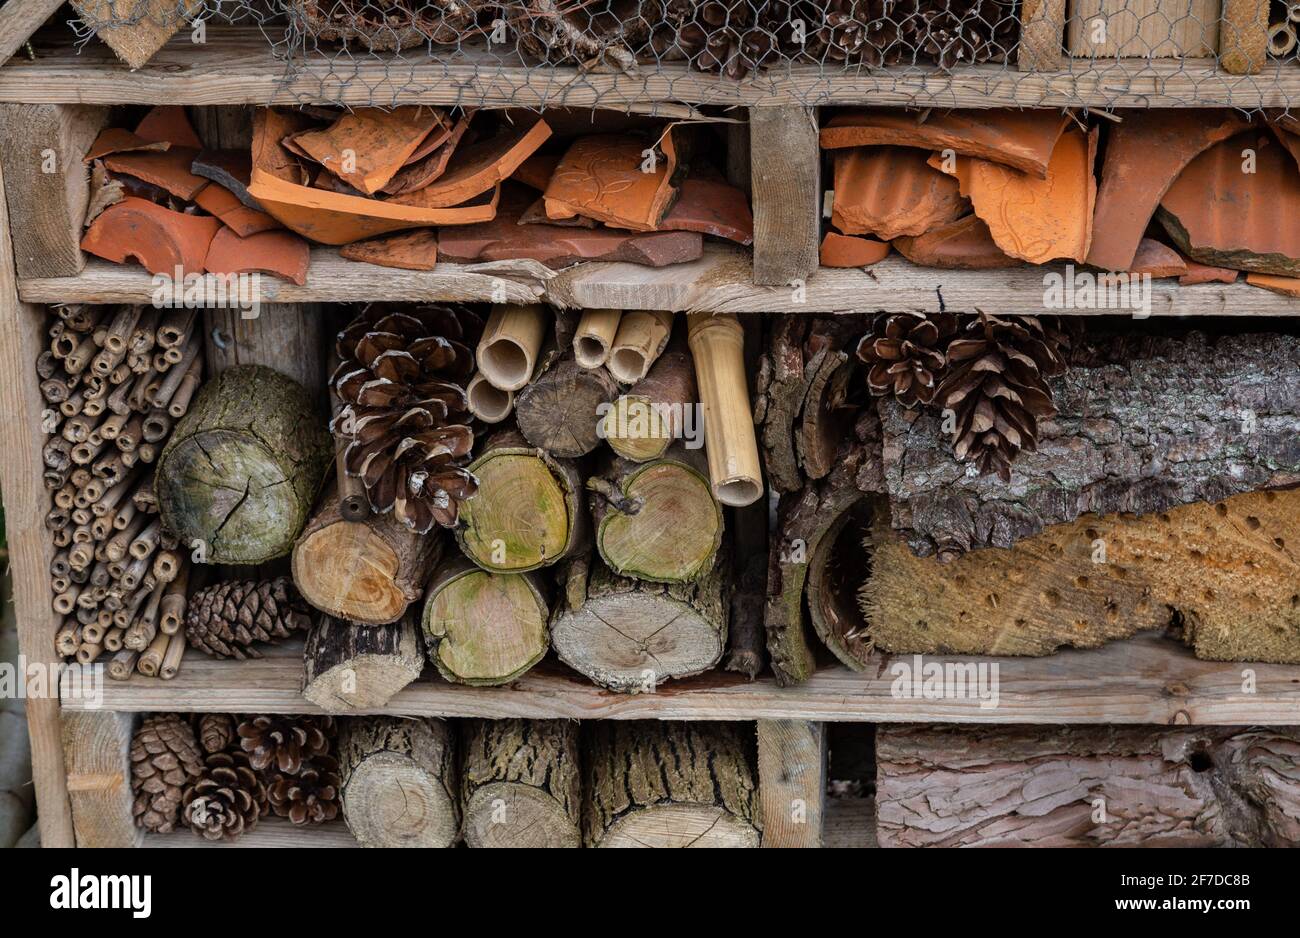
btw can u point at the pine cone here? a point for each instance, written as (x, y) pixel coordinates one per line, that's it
(285, 742)
(998, 387)
(906, 355)
(216, 731)
(227, 799)
(164, 760)
(403, 377)
(226, 619)
(311, 796)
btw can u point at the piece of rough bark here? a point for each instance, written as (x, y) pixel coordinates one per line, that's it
(521, 783)
(349, 667)
(1087, 786)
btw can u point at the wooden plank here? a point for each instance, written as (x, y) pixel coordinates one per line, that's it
(96, 749)
(46, 182)
(237, 66)
(22, 337)
(1042, 23)
(21, 18)
(1146, 680)
(785, 178)
(721, 281)
(792, 782)
(270, 832)
(850, 823)
(1142, 28)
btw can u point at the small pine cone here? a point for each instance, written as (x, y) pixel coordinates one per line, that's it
(225, 620)
(227, 800)
(311, 796)
(285, 743)
(906, 355)
(164, 760)
(216, 731)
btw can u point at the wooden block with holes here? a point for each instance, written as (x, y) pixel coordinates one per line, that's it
(1224, 577)
(1161, 29)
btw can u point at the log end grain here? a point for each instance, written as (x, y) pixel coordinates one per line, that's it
(521, 518)
(485, 628)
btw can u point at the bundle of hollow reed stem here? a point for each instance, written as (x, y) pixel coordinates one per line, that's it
(115, 380)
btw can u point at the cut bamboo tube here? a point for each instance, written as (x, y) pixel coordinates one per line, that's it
(1293, 12)
(642, 335)
(507, 353)
(595, 336)
(151, 661)
(718, 347)
(487, 403)
(123, 664)
(171, 662)
(1281, 39)
(172, 609)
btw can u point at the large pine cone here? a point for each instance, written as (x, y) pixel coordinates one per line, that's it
(228, 798)
(226, 619)
(402, 378)
(285, 743)
(164, 760)
(998, 387)
(311, 796)
(906, 355)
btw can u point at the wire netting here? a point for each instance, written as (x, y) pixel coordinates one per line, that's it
(619, 53)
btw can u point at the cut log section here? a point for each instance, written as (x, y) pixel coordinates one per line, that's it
(399, 781)
(631, 635)
(1095, 786)
(366, 571)
(560, 410)
(718, 350)
(656, 520)
(529, 511)
(350, 668)
(242, 468)
(521, 783)
(512, 338)
(660, 408)
(485, 628)
(666, 784)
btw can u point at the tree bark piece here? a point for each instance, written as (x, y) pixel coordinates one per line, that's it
(1087, 786)
(717, 345)
(484, 628)
(366, 572)
(349, 668)
(657, 520)
(660, 408)
(631, 635)
(529, 511)
(243, 467)
(560, 410)
(399, 781)
(664, 784)
(521, 783)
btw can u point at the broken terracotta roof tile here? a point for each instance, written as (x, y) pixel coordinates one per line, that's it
(244, 221)
(1158, 260)
(230, 169)
(437, 136)
(280, 253)
(963, 245)
(269, 154)
(1037, 220)
(1288, 139)
(1144, 155)
(1219, 215)
(169, 122)
(1022, 139)
(1203, 273)
(536, 171)
(1287, 286)
(419, 174)
(891, 191)
(478, 167)
(408, 250)
(601, 177)
(116, 140)
(366, 147)
(157, 238)
(712, 207)
(535, 214)
(168, 169)
(839, 250)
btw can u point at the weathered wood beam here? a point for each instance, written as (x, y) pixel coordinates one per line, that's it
(96, 749)
(791, 782)
(785, 176)
(18, 20)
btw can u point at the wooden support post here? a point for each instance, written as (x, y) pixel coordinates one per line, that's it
(1243, 36)
(22, 338)
(96, 748)
(791, 782)
(785, 173)
(18, 20)
(1042, 28)
(46, 183)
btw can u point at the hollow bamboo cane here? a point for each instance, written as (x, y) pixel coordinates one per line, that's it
(718, 347)
(595, 336)
(507, 353)
(487, 403)
(171, 662)
(641, 337)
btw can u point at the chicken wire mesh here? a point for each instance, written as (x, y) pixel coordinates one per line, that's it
(625, 53)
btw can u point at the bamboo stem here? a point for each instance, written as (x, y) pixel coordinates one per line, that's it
(642, 336)
(595, 335)
(718, 347)
(171, 662)
(486, 402)
(507, 353)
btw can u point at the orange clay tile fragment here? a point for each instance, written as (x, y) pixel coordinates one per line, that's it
(1144, 155)
(417, 175)
(1022, 140)
(408, 250)
(435, 137)
(714, 207)
(1287, 286)
(963, 245)
(1288, 139)
(269, 154)
(1158, 260)
(1203, 273)
(269, 252)
(157, 238)
(168, 170)
(1220, 215)
(116, 140)
(225, 205)
(846, 251)
(536, 171)
(170, 123)
(1036, 220)
(334, 218)
(890, 192)
(366, 147)
(601, 177)
(478, 168)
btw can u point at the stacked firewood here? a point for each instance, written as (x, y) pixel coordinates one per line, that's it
(115, 381)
